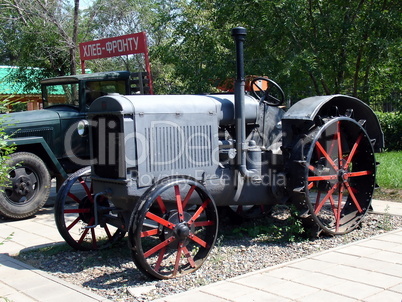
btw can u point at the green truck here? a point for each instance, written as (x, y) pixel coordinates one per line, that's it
(47, 143)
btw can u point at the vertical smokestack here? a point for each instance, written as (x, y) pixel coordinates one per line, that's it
(239, 35)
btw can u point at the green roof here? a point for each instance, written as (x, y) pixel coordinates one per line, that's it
(9, 87)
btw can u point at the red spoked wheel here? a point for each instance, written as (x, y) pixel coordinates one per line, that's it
(75, 214)
(339, 175)
(173, 228)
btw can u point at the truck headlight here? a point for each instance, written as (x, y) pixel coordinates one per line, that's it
(82, 127)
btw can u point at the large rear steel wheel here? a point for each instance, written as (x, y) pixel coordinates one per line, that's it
(173, 228)
(75, 214)
(337, 175)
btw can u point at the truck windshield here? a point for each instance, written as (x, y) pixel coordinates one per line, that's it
(62, 94)
(95, 89)
(69, 94)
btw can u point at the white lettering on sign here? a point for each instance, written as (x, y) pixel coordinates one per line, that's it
(112, 47)
(123, 45)
(109, 47)
(92, 49)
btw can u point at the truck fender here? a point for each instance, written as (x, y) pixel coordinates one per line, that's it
(305, 114)
(38, 146)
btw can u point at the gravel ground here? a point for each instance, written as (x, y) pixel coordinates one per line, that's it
(112, 274)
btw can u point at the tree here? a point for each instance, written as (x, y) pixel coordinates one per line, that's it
(105, 19)
(309, 46)
(41, 34)
(198, 50)
(339, 44)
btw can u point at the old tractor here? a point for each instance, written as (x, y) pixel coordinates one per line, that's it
(163, 164)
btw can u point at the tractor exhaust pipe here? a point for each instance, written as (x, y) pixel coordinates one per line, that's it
(239, 35)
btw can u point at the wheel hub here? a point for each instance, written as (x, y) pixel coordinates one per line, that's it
(182, 231)
(342, 175)
(86, 204)
(22, 185)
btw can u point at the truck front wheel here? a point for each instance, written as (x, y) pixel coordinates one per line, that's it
(28, 186)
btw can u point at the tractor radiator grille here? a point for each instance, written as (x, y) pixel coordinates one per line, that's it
(178, 148)
(152, 148)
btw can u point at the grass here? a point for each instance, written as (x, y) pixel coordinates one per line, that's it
(389, 176)
(51, 250)
(389, 171)
(282, 225)
(9, 237)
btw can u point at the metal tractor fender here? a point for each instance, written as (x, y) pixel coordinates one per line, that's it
(309, 112)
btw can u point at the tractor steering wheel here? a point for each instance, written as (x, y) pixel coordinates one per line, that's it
(272, 95)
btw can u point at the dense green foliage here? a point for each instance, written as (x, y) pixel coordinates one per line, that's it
(310, 47)
(389, 171)
(39, 37)
(5, 149)
(391, 125)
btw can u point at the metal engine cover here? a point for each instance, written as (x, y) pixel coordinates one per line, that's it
(165, 135)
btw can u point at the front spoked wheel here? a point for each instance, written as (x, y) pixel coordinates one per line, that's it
(173, 229)
(339, 175)
(75, 214)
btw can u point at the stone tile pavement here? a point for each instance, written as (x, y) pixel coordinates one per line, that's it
(367, 270)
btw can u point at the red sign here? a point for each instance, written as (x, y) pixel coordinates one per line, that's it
(117, 46)
(111, 47)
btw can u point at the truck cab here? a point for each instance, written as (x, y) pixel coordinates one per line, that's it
(47, 143)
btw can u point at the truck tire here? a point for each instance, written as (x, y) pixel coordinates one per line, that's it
(28, 187)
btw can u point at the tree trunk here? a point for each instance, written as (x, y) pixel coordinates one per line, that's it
(73, 47)
(358, 65)
(314, 80)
